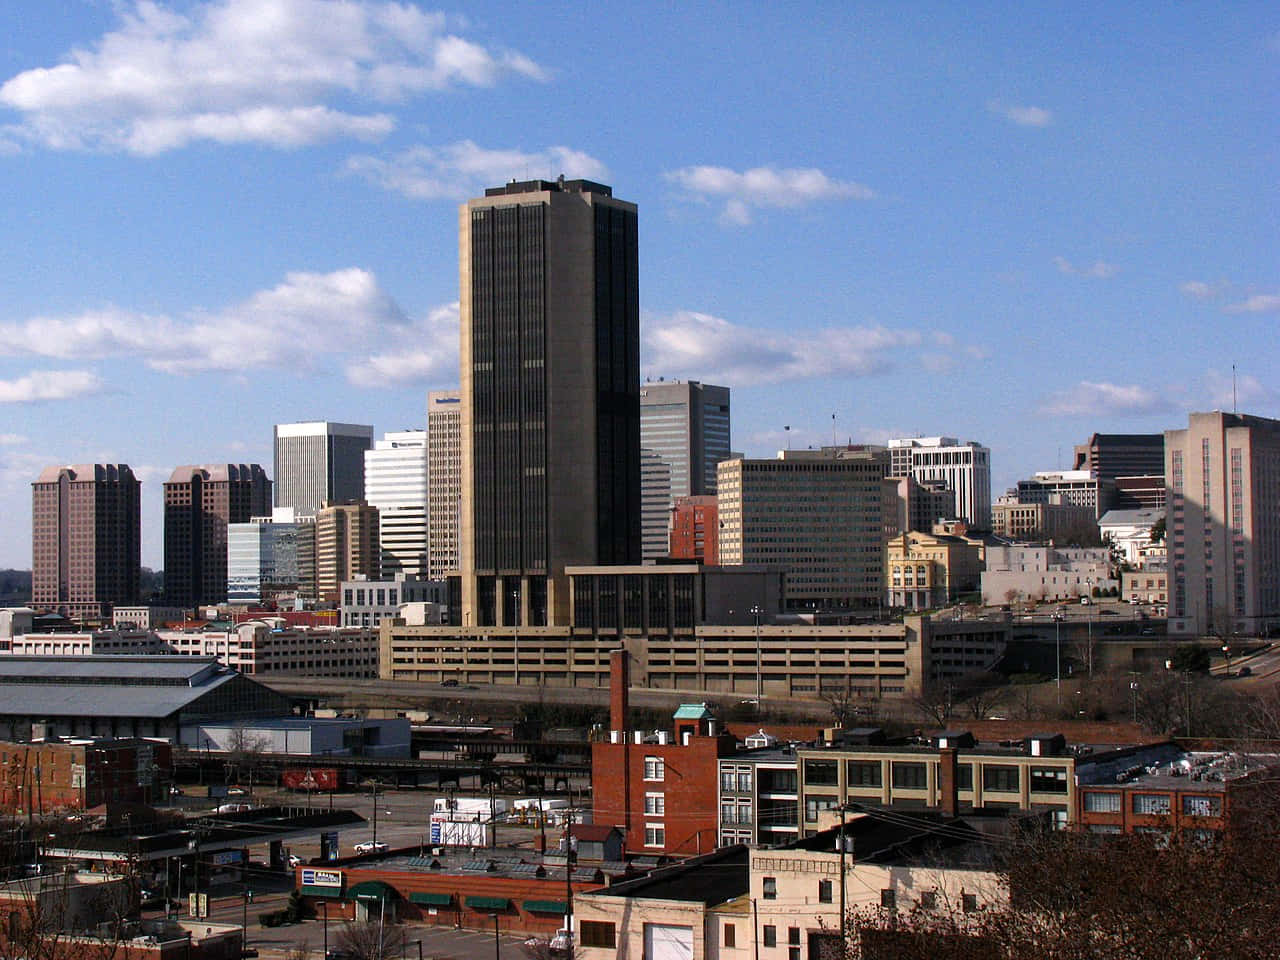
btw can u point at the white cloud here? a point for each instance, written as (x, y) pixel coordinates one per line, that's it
(690, 344)
(307, 318)
(1258, 303)
(1198, 289)
(1023, 116)
(458, 170)
(12, 439)
(1098, 268)
(428, 352)
(235, 71)
(1246, 391)
(763, 187)
(1088, 398)
(49, 385)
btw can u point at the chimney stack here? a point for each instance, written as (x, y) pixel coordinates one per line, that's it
(619, 687)
(948, 782)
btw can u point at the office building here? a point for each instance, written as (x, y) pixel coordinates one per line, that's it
(684, 428)
(550, 359)
(86, 539)
(346, 546)
(924, 570)
(395, 481)
(1108, 456)
(1048, 519)
(917, 505)
(265, 558)
(963, 468)
(319, 461)
(199, 502)
(695, 530)
(1223, 473)
(820, 515)
(444, 482)
(1074, 487)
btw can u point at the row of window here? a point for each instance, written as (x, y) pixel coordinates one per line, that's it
(913, 775)
(1151, 804)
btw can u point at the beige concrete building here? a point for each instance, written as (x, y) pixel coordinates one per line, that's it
(1223, 474)
(1015, 520)
(444, 481)
(924, 570)
(820, 514)
(347, 546)
(550, 386)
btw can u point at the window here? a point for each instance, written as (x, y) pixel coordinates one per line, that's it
(728, 813)
(655, 804)
(728, 782)
(730, 935)
(863, 773)
(888, 899)
(655, 768)
(744, 781)
(770, 888)
(1095, 801)
(964, 776)
(770, 935)
(655, 835)
(1048, 780)
(599, 933)
(1202, 806)
(929, 900)
(1000, 778)
(821, 772)
(813, 805)
(1151, 804)
(824, 891)
(909, 776)
(793, 936)
(968, 902)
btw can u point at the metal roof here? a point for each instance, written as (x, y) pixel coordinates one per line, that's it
(147, 669)
(100, 699)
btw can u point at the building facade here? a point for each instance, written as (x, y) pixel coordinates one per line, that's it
(1017, 572)
(695, 530)
(924, 570)
(366, 603)
(686, 425)
(444, 482)
(1075, 487)
(550, 346)
(266, 558)
(346, 546)
(1015, 520)
(820, 515)
(319, 461)
(86, 539)
(57, 776)
(395, 481)
(1108, 456)
(963, 468)
(199, 502)
(1223, 473)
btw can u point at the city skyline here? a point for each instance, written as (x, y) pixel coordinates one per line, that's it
(1047, 226)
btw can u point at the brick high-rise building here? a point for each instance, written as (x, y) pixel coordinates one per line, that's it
(444, 481)
(199, 502)
(346, 546)
(695, 530)
(86, 538)
(550, 362)
(1223, 475)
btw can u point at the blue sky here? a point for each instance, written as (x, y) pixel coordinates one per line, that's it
(1012, 224)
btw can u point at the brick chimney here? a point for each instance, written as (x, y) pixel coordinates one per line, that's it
(619, 685)
(948, 782)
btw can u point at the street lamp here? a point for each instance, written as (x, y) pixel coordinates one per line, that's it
(757, 611)
(497, 944)
(1057, 649)
(1226, 652)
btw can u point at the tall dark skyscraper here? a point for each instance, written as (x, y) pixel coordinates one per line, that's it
(86, 538)
(550, 395)
(199, 502)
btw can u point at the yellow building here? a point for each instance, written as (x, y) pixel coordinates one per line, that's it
(925, 570)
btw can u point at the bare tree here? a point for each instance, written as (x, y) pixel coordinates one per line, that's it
(980, 692)
(938, 702)
(372, 940)
(848, 703)
(244, 752)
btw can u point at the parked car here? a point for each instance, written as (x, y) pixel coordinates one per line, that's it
(449, 683)
(236, 791)
(1246, 671)
(371, 846)
(295, 860)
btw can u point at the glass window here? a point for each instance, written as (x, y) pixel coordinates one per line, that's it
(1202, 806)
(813, 805)
(598, 933)
(730, 935)
(1000, 778)
(770, 888)
(909, 776)
(1096, 801)
(821, 772)
(824, 891)
(1048, 780)
(728, 782)
(744, 781)
(929, 900)
(727, 813)
(655, 835)
(655, 804)
(1151, 804)
(655, 768)
(888, 899)
(770, 935)
(863, 773)
(969, 902)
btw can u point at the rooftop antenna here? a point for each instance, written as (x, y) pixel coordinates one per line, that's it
(1234, 407)
(834, 441)
(787, 431)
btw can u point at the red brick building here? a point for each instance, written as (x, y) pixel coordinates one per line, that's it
(57, 776)
(659, 789)
(695, 530)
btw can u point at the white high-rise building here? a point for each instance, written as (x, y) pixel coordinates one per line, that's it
(684, 434)
(965, 469)
(264, 557)
(444, 481)
(395, 481)
(319, 461)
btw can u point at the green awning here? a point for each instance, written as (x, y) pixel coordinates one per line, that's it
(316, 890)
(431, 899)
(488, 903)
(372, 890)
(546, 906)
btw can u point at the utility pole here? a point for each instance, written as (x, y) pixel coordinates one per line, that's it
(841, 841)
